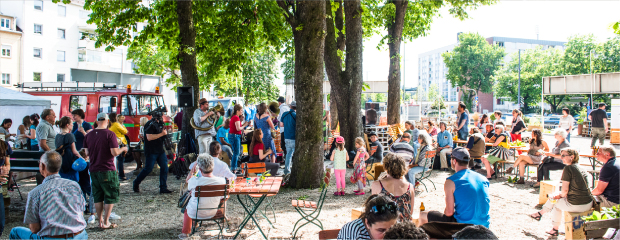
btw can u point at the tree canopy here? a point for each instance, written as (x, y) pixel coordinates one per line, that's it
(471, 64)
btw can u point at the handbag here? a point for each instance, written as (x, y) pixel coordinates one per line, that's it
(184, 197)
(547, 159)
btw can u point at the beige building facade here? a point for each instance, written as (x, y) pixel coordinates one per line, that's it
(10, 52)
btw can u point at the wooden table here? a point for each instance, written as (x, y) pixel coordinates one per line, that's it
(270, 186)
(593, 163)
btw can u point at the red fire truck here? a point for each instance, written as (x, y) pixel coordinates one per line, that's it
(95, 98)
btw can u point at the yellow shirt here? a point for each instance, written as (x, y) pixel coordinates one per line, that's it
(120, 131)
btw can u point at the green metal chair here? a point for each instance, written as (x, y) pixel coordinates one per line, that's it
(425, 175)
(310, 211)
(220, 216)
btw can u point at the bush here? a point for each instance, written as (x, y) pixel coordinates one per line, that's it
(534, 122)
(526, 120)
(492, 117)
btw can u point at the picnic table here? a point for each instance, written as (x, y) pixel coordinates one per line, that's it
(270, 186)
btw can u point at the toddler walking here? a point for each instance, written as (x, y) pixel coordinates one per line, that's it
(340, 158)
(359, 166)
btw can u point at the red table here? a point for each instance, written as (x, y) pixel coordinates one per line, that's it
(270, 186)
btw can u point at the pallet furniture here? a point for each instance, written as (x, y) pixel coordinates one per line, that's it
(597, 229)
(587, 129)
(547, 187)
(574, 224)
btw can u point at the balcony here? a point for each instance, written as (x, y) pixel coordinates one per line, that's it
(86, 44)
(99, 60)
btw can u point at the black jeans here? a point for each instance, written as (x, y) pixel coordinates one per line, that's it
(120, 160)
(544, 168)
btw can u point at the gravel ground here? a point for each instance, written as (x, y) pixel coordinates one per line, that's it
(150, 215)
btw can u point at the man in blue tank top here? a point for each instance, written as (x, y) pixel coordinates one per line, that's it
(467, 195)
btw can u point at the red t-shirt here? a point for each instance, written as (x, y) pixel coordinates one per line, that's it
(258, 146)
(98, 142)
(232, 128)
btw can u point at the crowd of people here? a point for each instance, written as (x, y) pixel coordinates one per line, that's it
(388, 211)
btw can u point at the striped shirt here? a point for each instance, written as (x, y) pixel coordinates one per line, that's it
(354, 230)
(57, 204)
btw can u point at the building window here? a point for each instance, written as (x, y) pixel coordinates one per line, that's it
(62, 11)
(38, 5)
(6, 51)
(60, 77)
(36, 76)
(84, 14)
(38, 29)
(6, 79)
(60, 56)
(61, 33)
(5, 23)
(501, 44)
(37, 52)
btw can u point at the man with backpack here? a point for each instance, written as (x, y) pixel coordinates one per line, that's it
(289, 122)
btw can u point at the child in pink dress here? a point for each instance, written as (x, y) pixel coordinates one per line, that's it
(359, 165)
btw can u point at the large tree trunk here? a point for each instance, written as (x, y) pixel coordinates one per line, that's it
(395, 31)
(346, 86)
(187, 56)
(333, 112)
(309, 34)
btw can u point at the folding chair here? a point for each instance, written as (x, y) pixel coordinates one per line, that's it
(256, 168)
(329, 234)
(220, 215)
(425, 175)
(310, 211)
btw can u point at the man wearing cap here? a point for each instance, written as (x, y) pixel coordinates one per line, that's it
(200, 119)
(376, 149)
(599, 124)
(284, 108)
(101, 147)
(54, 208)
(289, 126)
(467, 195)
(154, 152)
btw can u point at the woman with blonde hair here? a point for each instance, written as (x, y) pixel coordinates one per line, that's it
(118, 128)
(575, 195)
(395, 186)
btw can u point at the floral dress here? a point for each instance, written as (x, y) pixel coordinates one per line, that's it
(359, 169)
(403, 202)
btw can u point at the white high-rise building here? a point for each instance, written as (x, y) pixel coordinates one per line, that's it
(432, 70)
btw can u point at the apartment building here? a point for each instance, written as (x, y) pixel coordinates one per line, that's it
(10, 49)
(432, 70)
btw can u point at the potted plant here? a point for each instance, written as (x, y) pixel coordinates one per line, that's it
(582, 117)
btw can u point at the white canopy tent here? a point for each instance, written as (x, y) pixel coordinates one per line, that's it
(15, 105)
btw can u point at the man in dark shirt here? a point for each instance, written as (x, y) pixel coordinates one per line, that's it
(608, 186)
(599, 124)
(403, 147)
(178, 119)
(463, 122)
(376, 149)
(154, 151)
(101, 147)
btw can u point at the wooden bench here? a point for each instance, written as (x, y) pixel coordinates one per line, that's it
(597, 229)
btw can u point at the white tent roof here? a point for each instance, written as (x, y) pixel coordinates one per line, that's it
(10, 97)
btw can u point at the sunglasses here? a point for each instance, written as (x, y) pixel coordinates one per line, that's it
(381, 209)
(565, 155)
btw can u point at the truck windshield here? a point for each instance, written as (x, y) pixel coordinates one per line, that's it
(140, 104)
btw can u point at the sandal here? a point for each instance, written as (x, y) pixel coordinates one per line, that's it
(537, 218)
(509, 170)
(554, 232)
(112, 225)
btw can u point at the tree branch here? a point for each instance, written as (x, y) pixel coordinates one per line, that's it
(290, 18)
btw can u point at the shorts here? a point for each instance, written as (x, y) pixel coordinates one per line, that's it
(436, 216)
(105, 187)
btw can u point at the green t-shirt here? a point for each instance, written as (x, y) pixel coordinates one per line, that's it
(219, 121)
(578, 193)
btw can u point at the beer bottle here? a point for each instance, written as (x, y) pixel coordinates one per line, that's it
(422, 207)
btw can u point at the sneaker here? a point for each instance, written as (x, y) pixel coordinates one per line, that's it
(113, 216)
(183, 236)
(360, 193)
(336, 193)
(165, 191)
(92, 219)
(342, 193)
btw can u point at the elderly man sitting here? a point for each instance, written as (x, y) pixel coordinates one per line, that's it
(44, 217)
(608, 186)
(403, 148)
(206, 166)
